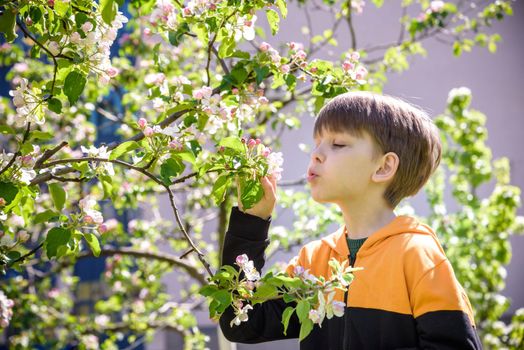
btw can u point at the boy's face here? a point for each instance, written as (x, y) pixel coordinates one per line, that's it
(341, 167)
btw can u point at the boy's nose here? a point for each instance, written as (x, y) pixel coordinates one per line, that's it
(316, 156)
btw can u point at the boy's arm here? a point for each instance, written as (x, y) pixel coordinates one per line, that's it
(442, 311)
(247, 234)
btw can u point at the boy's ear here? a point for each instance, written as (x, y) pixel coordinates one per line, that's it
(388, 165)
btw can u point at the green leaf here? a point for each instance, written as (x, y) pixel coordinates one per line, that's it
(123, 148)
(305, 328)
(93, 243)
(172, 167)
(58, 194)
(54, 105)
(274, 20)
(223, 297)
(45, 216)
(219, 188)
(4, 129)
(109, 9)
(233, 143)
(8, 191)
(251, 193)
(303, 310)
(378, 3)
(40, 135)
(56, 237)
(286, 315)
(208, 290)
(282, 7)
(239, 74)
(261, 73)
(8, 24)
(61, 7)
(74, 85)
(227, 47)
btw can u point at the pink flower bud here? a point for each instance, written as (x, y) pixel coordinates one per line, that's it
(243, 140)
(263, 100)
(2, 201)
(102, 228)
(187, 11)
(148, 131)
(251, 88)
(284, 68)
(147, 31)
(313, 69)
(252, 143)
(142, 123)
(264, 46)
(260, 92)
(234, 91)
(29, 21)
(266, 152)
(51, 3)
(88, 219)
(241, 260)
(221, 149)
(112, 72)
(347, 66)
(212, 7)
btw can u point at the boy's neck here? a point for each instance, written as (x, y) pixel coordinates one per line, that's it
(363, 220)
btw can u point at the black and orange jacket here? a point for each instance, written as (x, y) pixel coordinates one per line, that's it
(406, 297)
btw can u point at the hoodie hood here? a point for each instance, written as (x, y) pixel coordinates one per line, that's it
(400, 225)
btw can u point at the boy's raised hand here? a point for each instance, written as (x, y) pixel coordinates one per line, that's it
(266, 205)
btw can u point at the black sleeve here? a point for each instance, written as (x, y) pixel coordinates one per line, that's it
(247, 234)
(442, 330)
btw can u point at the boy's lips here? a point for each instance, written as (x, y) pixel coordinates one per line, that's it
(311, 175)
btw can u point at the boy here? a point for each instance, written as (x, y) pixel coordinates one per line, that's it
(371, 152)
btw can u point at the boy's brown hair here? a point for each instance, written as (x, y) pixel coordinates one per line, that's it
(396, 126)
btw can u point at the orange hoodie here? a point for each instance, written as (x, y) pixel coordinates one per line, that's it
(405, 269)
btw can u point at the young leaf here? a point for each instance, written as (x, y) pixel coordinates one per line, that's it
(220, 187)
(286, 315)
(303, 308)
(170, 168)
(74, 85)
(234, 143)
(274, 20)
(124, 148)
(93, 243)
(56, 238)
(8, 24)
(305, 328)
(109, 9)
(58, 194)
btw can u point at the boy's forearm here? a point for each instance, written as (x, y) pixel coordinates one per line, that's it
(246, 234)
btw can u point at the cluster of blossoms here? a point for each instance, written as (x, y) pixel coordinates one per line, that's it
(26, 103)
(274, 159)
(435, 6)
(172, 131)
(252, 276)
(243, 28)
(275, 57)
(165, 14)
(327, 307)
(23, 165)
(93, 216)
(198, 7)
(6, 310)
(100, 152)
(219, 113)
(95, 42)
(352, 67)
(358, 6)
